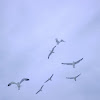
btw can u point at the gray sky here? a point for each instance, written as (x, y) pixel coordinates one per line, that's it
(28, 31)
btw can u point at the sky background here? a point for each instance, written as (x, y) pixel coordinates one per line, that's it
(28, 29)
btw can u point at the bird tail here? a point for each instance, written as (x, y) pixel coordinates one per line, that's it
(18, 88)
(73, 65)
(75, 78)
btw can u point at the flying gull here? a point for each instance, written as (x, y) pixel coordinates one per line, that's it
(73, 77)
(18, 83)
(57, 41)
(52, 51)
(49, 79)
(73, 63)
(39, 89)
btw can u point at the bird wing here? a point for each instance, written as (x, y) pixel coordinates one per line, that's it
(51, 76)
(78, 61)
(37, 92)
(78, 75)
(24, 79)
(11, 83)
(51, 51)
(67, 63)
(69, 77)
(62, 41)
(49, 55)
(53, 48)
(46, 80)
(41, 87)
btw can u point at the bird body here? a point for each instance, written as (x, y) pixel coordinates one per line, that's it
(57, 41)
(73, 63)
(52, 51)
(49, 79)
(18, 83)
(73, 77)
(39, 89)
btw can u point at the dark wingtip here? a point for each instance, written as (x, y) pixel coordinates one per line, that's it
(8, 84)
(28, 79)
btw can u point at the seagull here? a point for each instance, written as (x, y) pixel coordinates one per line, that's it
(49, 79)
(18, 83)
(73, 63)
(73, 77)
(40, 89)
(52, 51)
(57, 41)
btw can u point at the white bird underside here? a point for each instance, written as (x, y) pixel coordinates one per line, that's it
(78, 61)
(68, 63)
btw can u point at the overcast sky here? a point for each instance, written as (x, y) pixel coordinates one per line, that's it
(28, 29)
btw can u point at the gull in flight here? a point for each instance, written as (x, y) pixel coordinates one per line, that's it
(52, 51)
(73, 77)
(57, 41)
(39, 89)
(73, 63)
(18, 83)
(49, 79)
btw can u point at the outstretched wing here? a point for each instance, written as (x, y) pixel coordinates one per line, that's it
(78, 75)
(67, 63)
(37, 92)
(49, 55)
(53, 48)
(51, 76)
(41, 87)
(46, 81)
(24, 79)
(69, 77)
(78, 61)
(11, 83)
(62, 41)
